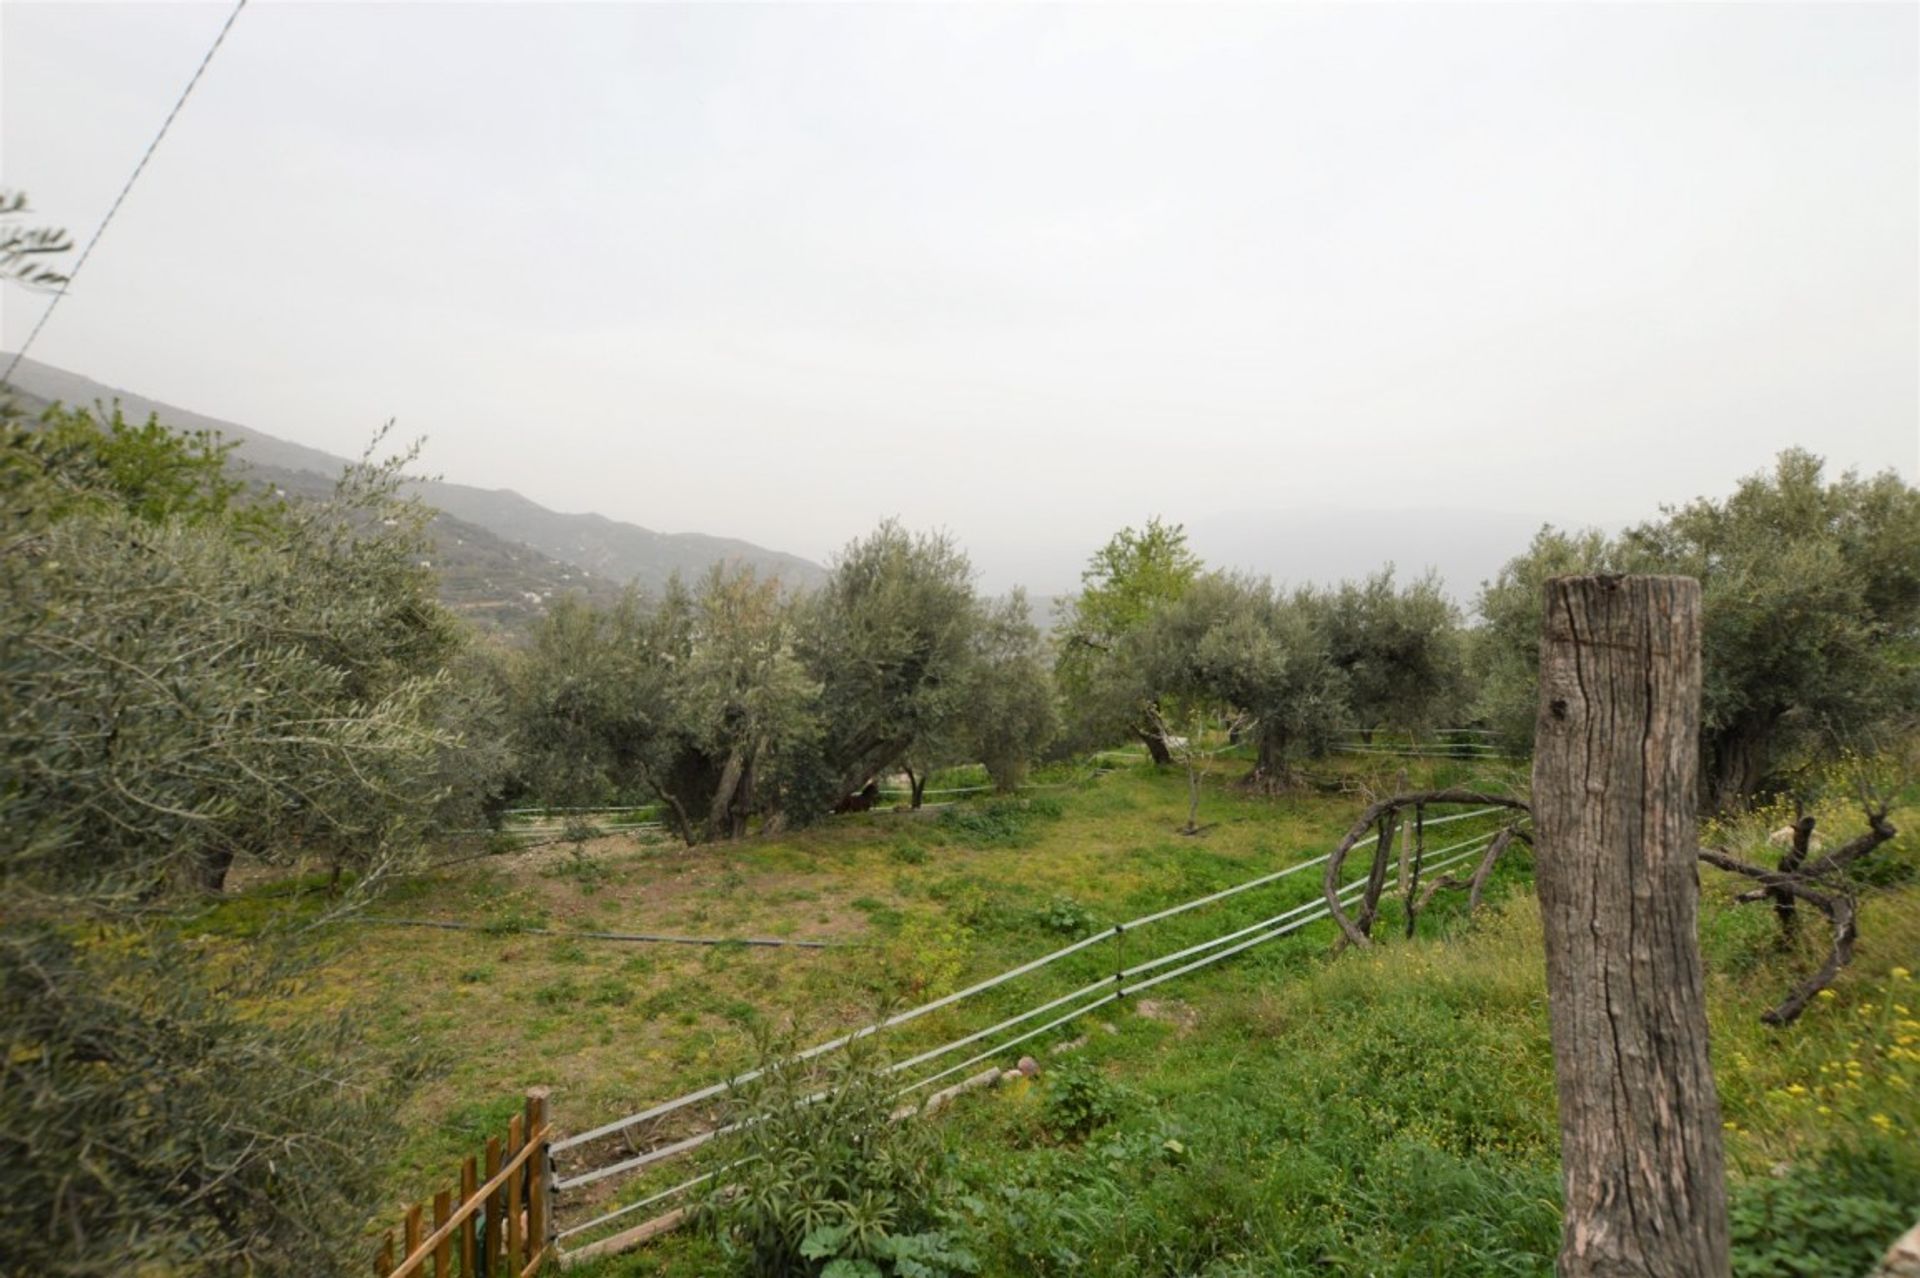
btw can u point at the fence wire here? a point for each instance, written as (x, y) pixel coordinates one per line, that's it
(1078, 1003)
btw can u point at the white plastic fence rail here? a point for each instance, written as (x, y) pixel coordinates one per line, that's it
(716, 1089)
(1117, 987)
(900, 1018)
(636, 807)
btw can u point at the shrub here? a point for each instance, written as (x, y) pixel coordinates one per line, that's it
(923, 958)
(1066, 916)
(1001, 823)
(1080, 1100)
(150, 1124)
(818, 1181)
(1835, 1215)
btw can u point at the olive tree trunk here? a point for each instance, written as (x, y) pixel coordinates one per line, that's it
(1615, 774)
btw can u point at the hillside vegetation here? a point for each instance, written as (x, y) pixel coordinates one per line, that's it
(277, 952)
(493, 547)
(1284, 1112)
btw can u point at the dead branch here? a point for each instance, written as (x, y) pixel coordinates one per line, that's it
(1383, 813)
(1821, 885)
(1476, 883)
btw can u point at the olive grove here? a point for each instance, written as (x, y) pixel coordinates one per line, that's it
(1811, 614)
(189, 677)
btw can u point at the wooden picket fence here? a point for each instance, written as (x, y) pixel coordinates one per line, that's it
(498, 1223)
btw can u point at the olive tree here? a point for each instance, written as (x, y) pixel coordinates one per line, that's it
(185, 677)
(187, 681)
(1011, 712)
(1233, 648)
(26, 250)
(1400, 647)
(888, 639)
(1811, 611)
(1007, 711)
(744, 709)
(697, 699)
(1127, 581)
(153, 1122)
(590, 702)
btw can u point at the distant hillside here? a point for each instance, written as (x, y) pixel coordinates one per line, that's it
(495, 583)
(501, 556)
(609, 548)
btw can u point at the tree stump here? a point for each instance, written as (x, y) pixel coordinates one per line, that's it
(1615, 776)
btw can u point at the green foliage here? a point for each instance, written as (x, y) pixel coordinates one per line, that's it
(1079, 1100)
(1129, 579)
(820, 1182)
(151, 1123)
(889, 639)
(998, 823)
(182, 687)
(1066, 916)
(921, 955)
(729, 701)
(1231, 646)
(1402, 650)
(1126, 582)
(928, 1255)
(1834, 1215)
(745, 706)
(588, 871)
(185, 679)
(1009, 713)
(23, 247)
(1506, 648)
(1811, 596)
(698, 699)
(75, 460)
(588, 703)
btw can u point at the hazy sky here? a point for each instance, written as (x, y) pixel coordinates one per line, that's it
(1027, 273)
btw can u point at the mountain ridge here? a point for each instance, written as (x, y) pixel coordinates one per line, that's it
(602, 553)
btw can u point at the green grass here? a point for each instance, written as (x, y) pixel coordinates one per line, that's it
(1287, 1111)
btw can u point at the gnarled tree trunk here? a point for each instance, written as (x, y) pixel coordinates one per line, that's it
(210, 871)
(1738, 759)
(720, 811)
(1616, 766)
(1273, 751)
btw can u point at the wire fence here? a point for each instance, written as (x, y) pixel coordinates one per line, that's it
(1434, 743)
(1117, 980)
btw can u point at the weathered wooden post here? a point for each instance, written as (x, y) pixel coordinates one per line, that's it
(1615, 771)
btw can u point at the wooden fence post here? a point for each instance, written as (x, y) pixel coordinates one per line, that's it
(515, 1193)
(1615, 773)
(539, 1173)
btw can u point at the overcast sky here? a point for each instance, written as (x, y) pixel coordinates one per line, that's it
(1025, 273)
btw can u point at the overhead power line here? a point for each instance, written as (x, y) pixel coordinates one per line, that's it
(121, 198)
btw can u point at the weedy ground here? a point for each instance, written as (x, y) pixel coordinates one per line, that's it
(1285, 1111)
